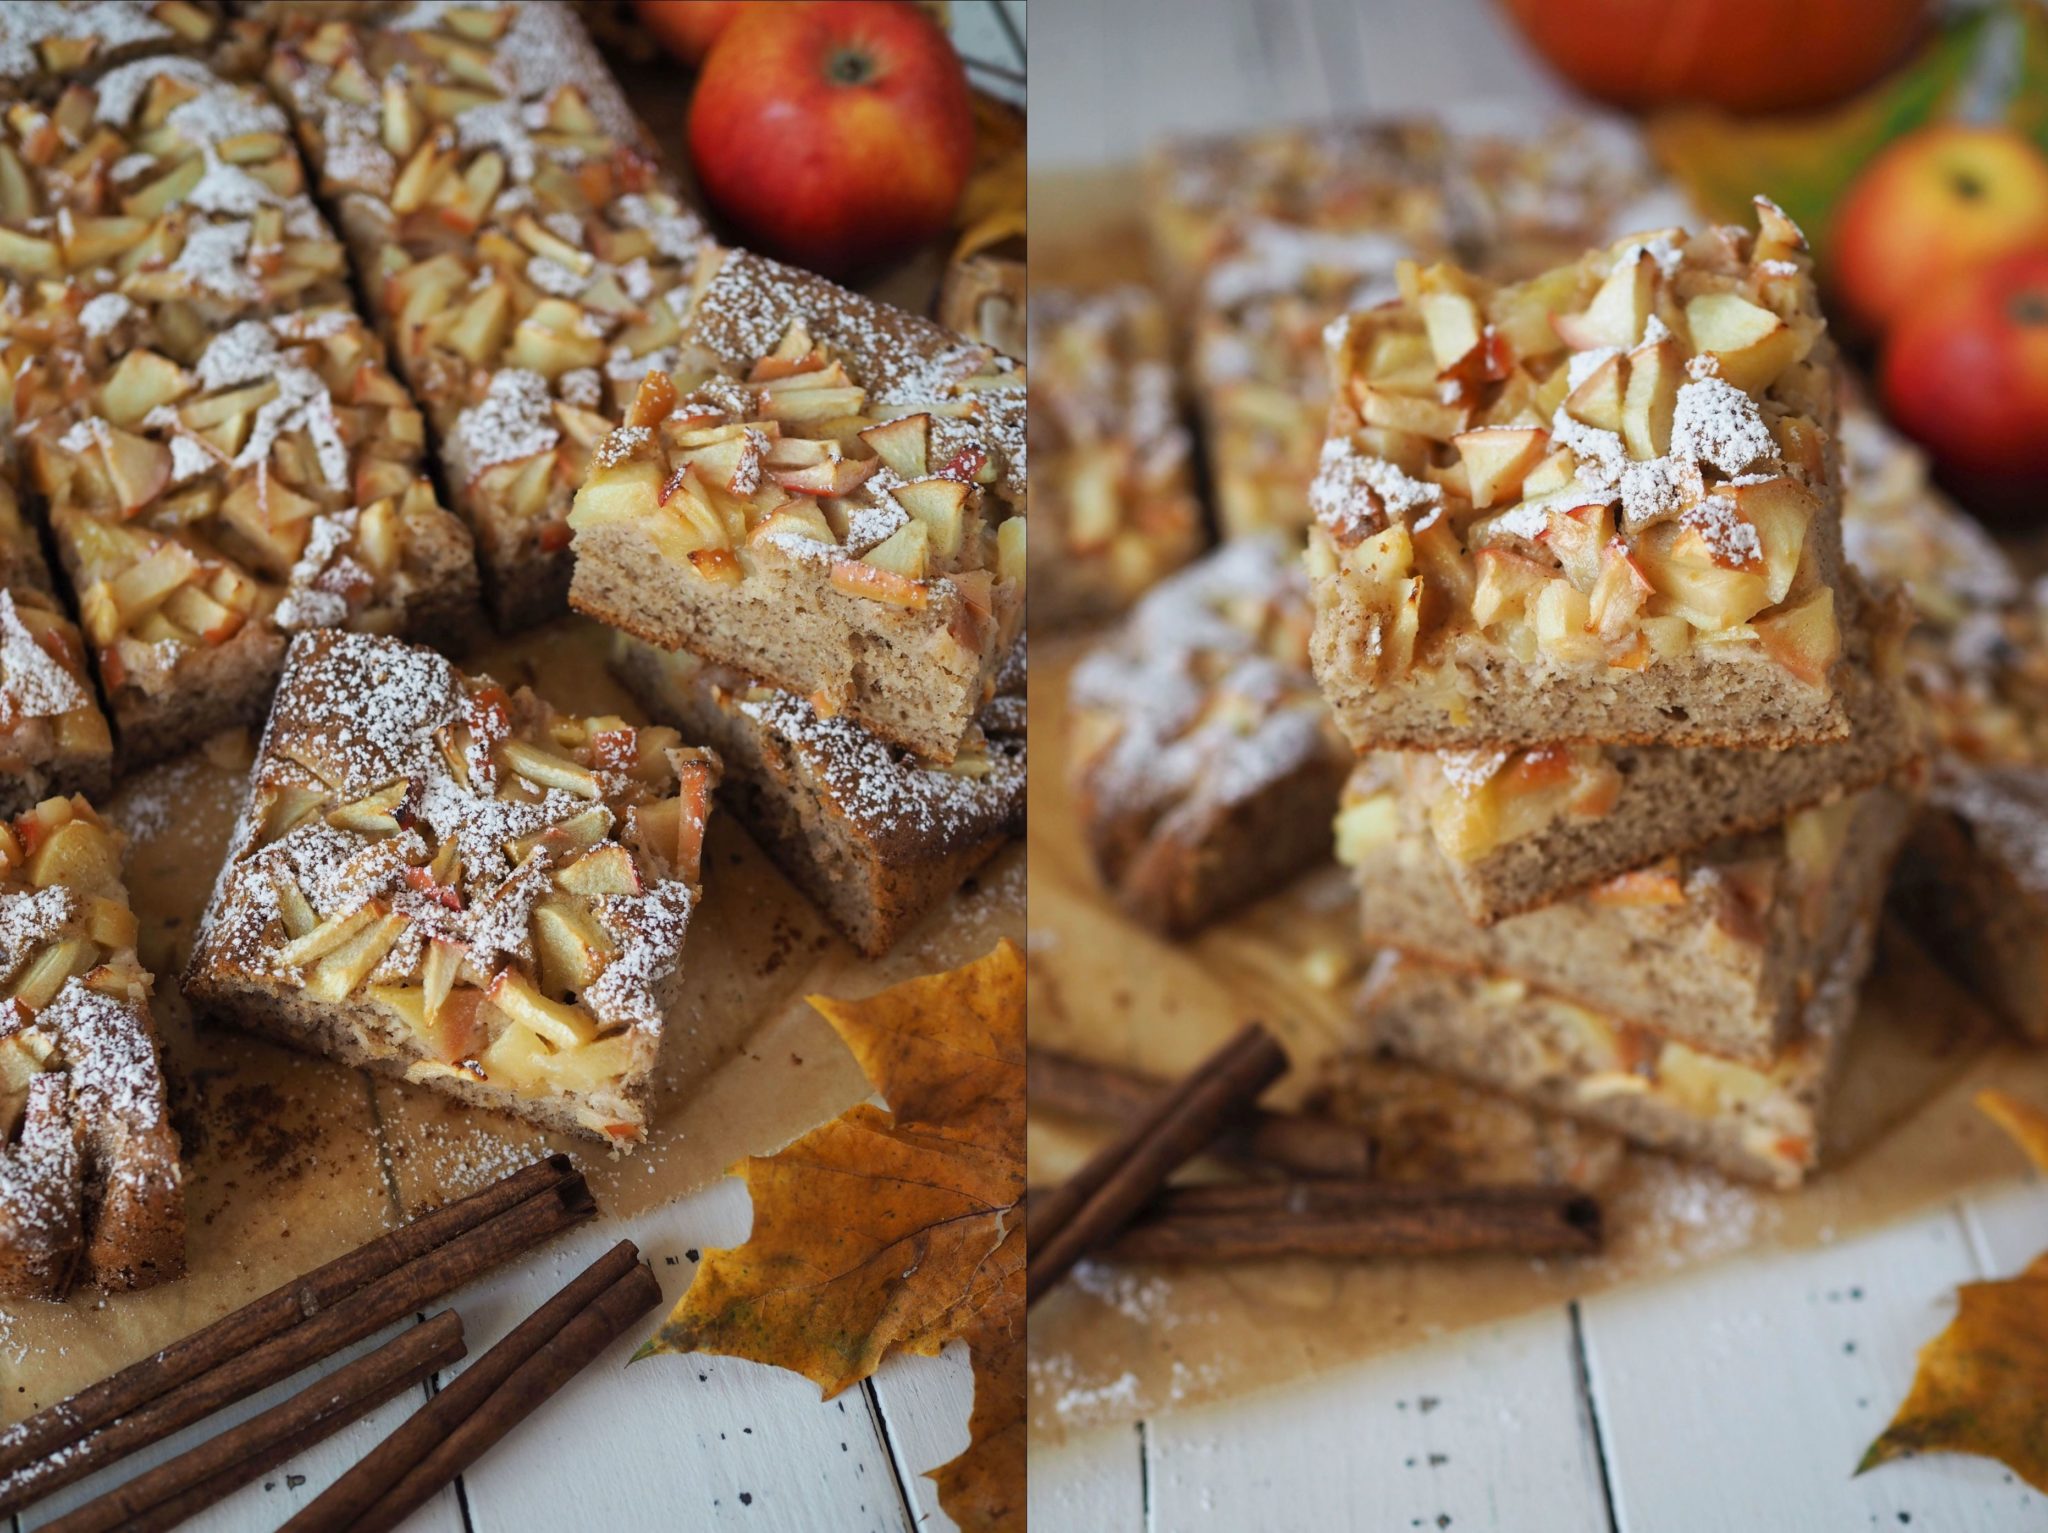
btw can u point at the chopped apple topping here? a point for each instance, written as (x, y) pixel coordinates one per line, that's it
(507, 899)
(1628, 473)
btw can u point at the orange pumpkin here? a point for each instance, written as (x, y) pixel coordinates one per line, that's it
(1742, 55)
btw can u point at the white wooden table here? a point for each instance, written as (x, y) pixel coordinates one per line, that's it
(1735, 1400)
(674, 1442)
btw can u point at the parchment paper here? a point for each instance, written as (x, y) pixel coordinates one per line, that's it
(1116, 1343)
(290, 1160)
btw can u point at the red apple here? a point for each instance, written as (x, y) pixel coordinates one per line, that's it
(688, 28)
(836, 135)
(1966, 374)
(1744, 55)
(1936, 203)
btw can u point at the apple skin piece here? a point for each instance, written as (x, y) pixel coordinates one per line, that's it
(1805, 639)
(1619, 311)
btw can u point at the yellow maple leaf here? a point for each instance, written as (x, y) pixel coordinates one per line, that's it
(1981, 1386)
(983, 1489)
(897, 1229)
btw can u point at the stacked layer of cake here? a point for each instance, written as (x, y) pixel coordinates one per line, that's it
(1628, 717)
(1622, 734)
(812, 545)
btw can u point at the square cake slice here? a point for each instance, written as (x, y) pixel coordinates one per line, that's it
(1598, 506)
(209, 500)
(459, 886)
(54, 739)
(1719, 949)
(1204, 763)
(829, 498)
(1763, 1122)
(90, 1187)
(1116, 491)
(525, 256)
(163, 182)
(1295, 227)
(875, 836)
(1518, 829)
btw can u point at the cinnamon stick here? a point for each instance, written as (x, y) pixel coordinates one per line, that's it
(260, 1319)
(391, 1460)
(1355, 1220)
(401, 1292)
(194, 1480)
(1298, 1143)
(553, 1364)
(1091, 1209)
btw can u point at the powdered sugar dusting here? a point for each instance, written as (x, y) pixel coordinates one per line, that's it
(514, 420)
(32, 684)
(1716, 423)
(1356, 494)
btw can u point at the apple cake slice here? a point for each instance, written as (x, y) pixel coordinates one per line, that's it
(1596, 506)
(90, 1187)
(1205, 767)
(527, 259)
(1764, 1121)
(1117, 506)
(829, 498)
(1718, 948)
(163, 182)
(1972, 881)
(53, 43)
(873, 835)
(53, 738)
(1517, 829)
(459, 886)
(1205, 198)
(1271, 237)
(206, 510)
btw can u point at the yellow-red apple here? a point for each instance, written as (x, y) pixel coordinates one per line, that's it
(1936, 203)
(1966, 374)
(835, 135)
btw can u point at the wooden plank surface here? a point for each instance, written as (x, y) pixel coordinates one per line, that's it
(1480, 1431)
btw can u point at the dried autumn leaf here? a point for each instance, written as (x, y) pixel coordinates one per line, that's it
(983, 1489)
(1982, 1384)
(897, 1229)
(991, 207)
(2027, 1123)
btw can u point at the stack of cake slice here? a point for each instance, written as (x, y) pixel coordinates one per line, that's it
(814, 535)
(1579, 591)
